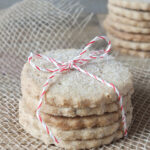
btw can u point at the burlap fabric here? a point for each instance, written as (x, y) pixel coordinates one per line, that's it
(35, 25)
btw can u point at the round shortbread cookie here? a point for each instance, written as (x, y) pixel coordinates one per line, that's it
(75, 89)
(129, 44)
(74, 123)
(125, 35)
(133, 14)
(27, 117)
(134, 4)
(128, 21)
(33, 126)
(132, 52)
(66, 123)
(66, 111)
(127, 28)
(32, 103)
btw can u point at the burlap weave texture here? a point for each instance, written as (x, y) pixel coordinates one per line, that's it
(31, 26)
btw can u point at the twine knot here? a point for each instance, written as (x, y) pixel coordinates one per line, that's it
(70, 64)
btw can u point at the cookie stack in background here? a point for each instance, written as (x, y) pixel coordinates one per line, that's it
(128, 26)
(80, 111)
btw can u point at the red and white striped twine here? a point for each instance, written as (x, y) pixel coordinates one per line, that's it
(75, 64)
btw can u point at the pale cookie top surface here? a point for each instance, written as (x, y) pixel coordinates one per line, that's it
(75, 89)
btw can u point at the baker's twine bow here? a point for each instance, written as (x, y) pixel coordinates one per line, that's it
(75, 64)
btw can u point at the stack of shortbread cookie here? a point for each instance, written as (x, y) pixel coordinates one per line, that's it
(128, 26)
(80, 111)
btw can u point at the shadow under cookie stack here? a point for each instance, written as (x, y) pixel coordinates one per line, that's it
(128, 26)
(79, 111)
